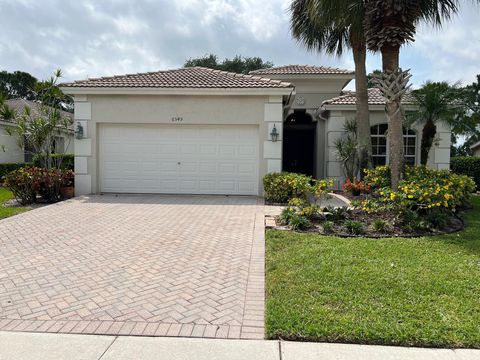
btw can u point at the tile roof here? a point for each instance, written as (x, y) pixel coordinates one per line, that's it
(19, 106)
(375, 97)
(193, 77)
(302, 70)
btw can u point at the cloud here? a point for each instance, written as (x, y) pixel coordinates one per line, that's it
(95, 38)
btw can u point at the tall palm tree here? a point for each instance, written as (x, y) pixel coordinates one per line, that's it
(333, 27)
(437, 102)
(389, 24)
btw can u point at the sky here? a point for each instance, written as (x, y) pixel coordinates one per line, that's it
(91, 38)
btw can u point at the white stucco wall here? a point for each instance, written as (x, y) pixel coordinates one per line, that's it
(439, 156)
(9, 150)
(92, 110)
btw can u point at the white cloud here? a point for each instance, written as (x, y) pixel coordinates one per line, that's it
(94, 38)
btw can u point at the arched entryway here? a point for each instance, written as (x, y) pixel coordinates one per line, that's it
(299, 135)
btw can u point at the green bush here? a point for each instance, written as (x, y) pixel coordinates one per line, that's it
(284, 186)
(281, 187)
(298, 222)
(328, 226)
(9, 167)
(382, 226)
(354, 227)
(467, 165)
(59, 161)
(423, 190)
(286, 215)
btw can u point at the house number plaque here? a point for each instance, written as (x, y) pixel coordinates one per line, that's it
(177, 119)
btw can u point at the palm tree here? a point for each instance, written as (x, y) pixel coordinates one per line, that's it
(333, 27)
(437, 101)
(389, 24)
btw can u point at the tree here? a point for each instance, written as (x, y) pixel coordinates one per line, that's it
(370, 82)
(333, 27)
(239, 64)
(18, 84)
(38, 131)
(437, 102)
(390, 24)
(346, 147)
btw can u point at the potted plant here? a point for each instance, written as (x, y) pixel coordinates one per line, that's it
(67, 188)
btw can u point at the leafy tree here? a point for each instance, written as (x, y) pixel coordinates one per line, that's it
(333, 27)
(370, 82)
(38, 131)
(239, 64)
(437, 102)
(389, 25)
(18, 84)
(469, 124)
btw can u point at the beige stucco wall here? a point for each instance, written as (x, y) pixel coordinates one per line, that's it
(439, 156)
(92, 110)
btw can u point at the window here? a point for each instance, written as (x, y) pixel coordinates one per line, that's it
(380, 145)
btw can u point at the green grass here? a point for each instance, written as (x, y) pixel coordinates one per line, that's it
(8, 211)
(417, 292)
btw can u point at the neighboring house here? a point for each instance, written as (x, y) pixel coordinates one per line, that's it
(10, 152)
(475, 149)
(202, 131)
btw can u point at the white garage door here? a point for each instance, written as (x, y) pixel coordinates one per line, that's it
(181, 159)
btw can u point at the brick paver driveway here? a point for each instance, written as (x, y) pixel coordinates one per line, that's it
(139, 265)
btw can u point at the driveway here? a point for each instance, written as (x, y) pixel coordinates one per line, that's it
(136, 265)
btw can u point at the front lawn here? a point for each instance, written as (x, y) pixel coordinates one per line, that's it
(420, 292)
(6, 211)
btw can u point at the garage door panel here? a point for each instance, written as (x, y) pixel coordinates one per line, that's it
(178, 159)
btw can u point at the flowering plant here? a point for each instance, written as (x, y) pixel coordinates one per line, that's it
(356, 186)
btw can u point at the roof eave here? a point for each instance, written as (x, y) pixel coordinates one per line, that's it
(78, 90)
(308, 76)
(372, 107)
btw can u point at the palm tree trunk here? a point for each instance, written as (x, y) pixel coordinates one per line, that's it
(362, 113)
(390, 60)
(428, 134)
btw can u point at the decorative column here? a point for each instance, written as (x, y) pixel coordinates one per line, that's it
(83, 146)
(272, 150)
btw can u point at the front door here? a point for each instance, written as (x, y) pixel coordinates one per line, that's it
(299, 144)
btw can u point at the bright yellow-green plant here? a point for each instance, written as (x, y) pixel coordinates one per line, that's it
(422, 189)
(282, 187)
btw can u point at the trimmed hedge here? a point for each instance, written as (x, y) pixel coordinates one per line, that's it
(9, 167)
(467, 165)
(67, 162)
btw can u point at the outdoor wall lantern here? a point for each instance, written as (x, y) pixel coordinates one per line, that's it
(79, 131)
(274, 134)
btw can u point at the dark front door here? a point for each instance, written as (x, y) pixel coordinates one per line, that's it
(299, 148)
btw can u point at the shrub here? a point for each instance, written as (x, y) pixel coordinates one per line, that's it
(328, 226)
(28, 182)
(310, 212)
(9, 167)
(298, 222)
(378, 177)
(424, 189)
(353, 227)
(59, 161)
(282, 187)
(466, 165)
(286, 215)
(437, 219)
(381, 226)
(356, 187)
(336, 213)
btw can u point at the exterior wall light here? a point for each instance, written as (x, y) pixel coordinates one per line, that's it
(274, 134)
(79, 131)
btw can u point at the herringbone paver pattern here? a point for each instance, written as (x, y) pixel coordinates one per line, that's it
(136, 265)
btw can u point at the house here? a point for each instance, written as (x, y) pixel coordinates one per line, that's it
(203, 131)
(475, 149)
(10, 152)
